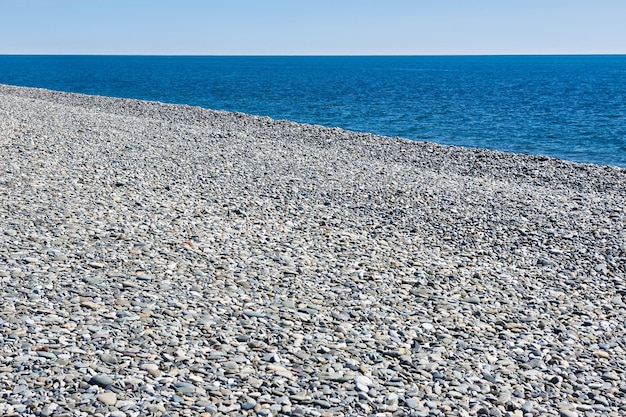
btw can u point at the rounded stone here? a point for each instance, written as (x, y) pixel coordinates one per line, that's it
(108, 398)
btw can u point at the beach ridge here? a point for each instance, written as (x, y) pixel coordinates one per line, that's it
(174, 260)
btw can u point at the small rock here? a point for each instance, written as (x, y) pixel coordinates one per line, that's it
(108, 398)
(322, 403)
(546, 262)
(362, 383)
(101, 380)
(568, 412)
(412, 402)
(392, 399)
(252, 313)
(47, 355)
(109, 358)
(471, 300)
(152, 368)
(91, 305)
(231, 367)
(248, 405)
(185, 387)
(527, 407)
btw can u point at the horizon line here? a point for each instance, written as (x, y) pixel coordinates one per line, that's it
(315, 55)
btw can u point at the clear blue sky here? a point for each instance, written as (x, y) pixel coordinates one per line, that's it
(312, 27)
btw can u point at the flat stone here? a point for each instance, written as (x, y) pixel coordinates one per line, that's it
(231, 366)
(252, 313)
(249, 405)
(412, 403)
(109, 358)
(392, 399)
(184, 387)
(568, 412)
(46, 354)
(108, 398)
(91, 305)
(145, 277)
(362, 380)
(152, 368)
(101, 380)
(322, 403)
(93, 279)
(279, 369)
(527, 407)
(300, 398)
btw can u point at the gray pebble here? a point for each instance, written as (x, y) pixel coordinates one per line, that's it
(101, 380)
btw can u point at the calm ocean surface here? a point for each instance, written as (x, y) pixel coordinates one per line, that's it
(570, 107)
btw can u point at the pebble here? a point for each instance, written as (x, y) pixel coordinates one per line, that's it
(249, 405)
(171, 260)
(527, 407)
(109, 358)
(392, 399)
(185, 387)
(568, 413)
(101, 380)
(152, 368)
(108, 398)
(48, 355)
(412, 403)
(362, 383)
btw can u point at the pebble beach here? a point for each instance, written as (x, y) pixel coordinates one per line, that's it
(167, 260)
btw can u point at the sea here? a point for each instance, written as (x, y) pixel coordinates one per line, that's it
(568, 107)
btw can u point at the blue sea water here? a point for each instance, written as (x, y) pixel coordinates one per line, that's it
(569, 107)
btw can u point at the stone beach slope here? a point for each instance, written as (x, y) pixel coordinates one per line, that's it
(170, 260)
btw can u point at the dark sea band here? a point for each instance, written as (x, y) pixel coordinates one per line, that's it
(569, 107)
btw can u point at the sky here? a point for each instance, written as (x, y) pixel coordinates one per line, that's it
(312, 27)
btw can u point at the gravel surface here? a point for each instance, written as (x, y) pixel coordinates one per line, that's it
(169, 260)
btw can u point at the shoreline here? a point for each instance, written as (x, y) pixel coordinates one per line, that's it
(172, 259)
(154, 107)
